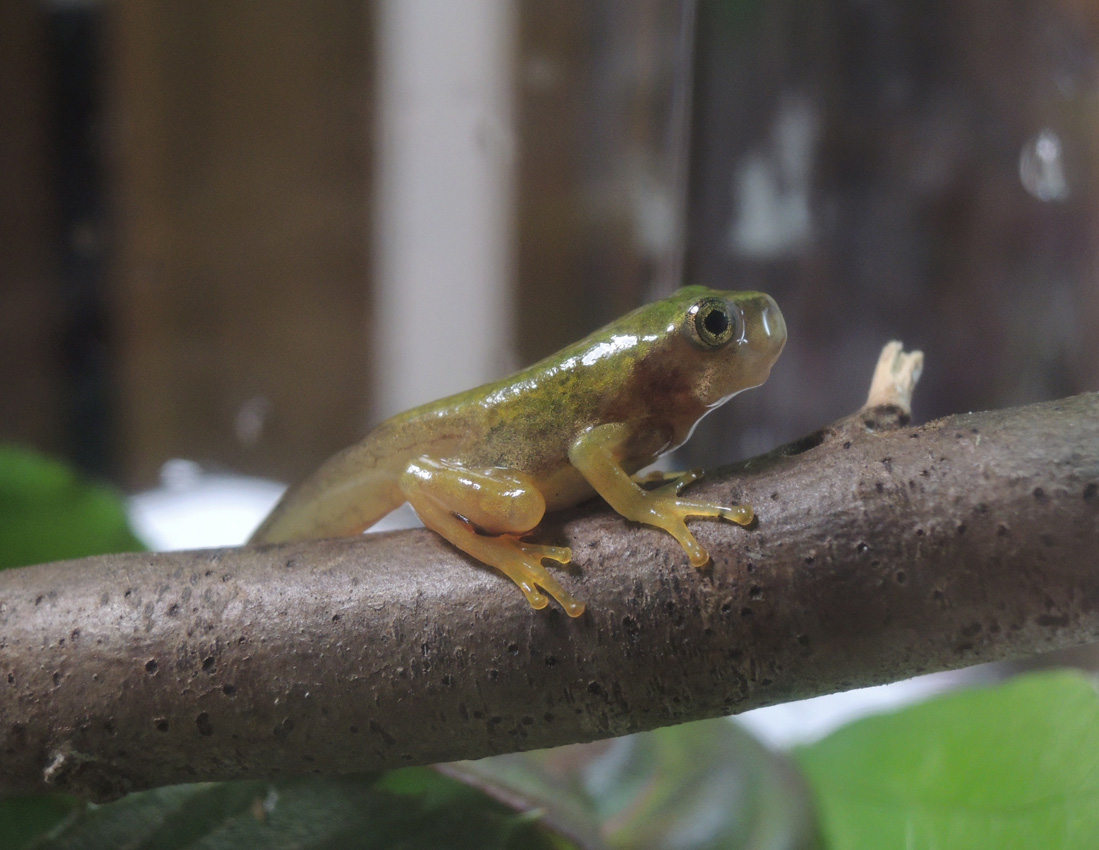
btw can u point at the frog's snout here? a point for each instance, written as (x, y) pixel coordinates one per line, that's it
(772, 320)
(772, 325)
(764, 338)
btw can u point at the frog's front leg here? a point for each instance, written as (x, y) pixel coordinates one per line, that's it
(484, 512)
(598, 454)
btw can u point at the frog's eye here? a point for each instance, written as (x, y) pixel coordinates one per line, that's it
(711, 323)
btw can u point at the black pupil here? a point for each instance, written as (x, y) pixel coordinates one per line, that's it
(716, 322)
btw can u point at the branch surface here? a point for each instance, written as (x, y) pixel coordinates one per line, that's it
(879, 553)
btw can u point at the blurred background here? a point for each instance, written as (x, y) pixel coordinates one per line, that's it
(235, 234)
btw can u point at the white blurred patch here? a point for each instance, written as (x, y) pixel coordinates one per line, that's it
(808, 720)
(1042, 167)
(194, 509)
(771, 188)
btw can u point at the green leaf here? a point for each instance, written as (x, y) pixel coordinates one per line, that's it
(49, 513)
(312, 812)
(1014, 766)
(699, 785)
(23, 819)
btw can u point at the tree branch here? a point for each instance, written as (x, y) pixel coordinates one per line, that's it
(876, 556)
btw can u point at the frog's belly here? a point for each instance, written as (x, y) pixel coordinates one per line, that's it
(564, 488)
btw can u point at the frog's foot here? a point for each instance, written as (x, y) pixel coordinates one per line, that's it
(485, 512)
(522, 563)
(664, 508)
(595, 454)
(740, 514)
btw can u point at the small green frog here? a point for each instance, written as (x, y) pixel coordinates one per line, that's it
(483, 466)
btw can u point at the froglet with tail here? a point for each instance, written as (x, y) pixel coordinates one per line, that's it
(483, 466)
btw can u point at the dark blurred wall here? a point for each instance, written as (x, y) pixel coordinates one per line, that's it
(31, 316)
(914, 170)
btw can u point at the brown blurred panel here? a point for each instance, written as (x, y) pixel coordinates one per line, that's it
(240, 183)
(553, 63)
(30, 315)
(598, 152)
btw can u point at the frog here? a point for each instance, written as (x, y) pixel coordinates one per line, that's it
(481, 468)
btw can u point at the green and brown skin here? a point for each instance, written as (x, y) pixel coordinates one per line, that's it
(482, 467)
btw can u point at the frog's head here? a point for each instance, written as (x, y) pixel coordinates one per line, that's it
(666, 364)
(727, 341)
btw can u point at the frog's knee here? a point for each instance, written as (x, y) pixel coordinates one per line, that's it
(510, 509)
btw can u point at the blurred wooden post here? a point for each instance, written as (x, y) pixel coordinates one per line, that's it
(240, 168)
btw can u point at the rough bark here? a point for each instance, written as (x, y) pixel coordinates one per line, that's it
(877, 555)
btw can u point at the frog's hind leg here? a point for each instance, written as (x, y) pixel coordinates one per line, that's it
(485, 512)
